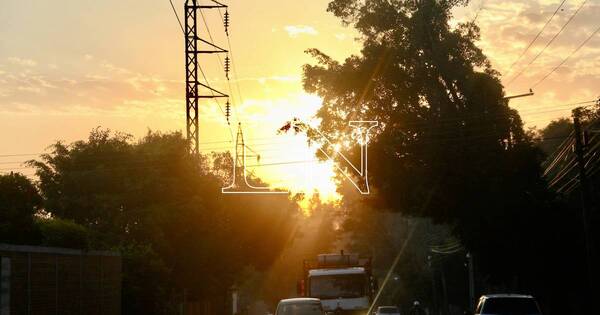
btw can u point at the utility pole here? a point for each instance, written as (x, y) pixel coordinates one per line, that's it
(471, 282)
(192, 82)
(585, 200)
(435, 306)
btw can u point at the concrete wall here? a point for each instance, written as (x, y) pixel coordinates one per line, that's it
(41, 280)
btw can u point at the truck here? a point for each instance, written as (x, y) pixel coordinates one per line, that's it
(343, 282)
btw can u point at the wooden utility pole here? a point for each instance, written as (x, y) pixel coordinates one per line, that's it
(585, 198)
(471, 282)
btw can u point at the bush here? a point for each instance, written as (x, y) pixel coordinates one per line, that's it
(63, 233)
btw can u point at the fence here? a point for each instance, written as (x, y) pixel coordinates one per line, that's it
(56, 281)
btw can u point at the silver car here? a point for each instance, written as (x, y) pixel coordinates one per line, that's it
(387, 310)
(300, 306)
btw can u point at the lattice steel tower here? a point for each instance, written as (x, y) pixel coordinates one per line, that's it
(193, 84)
(240, 155)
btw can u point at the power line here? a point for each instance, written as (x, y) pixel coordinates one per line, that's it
(200, 68)
(563, 152)
(177, 16)
(233, 62)
(547, 44)
(221, 63)
(142, 165)
(536, 37)
(568, 57)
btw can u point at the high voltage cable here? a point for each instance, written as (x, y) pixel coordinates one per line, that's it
(553, 182)
(276, 137)
(562, 173)
(566, 59)
(157, 165)
(573, 183)
(235, 73)
(207, 149)
(202, 143)
(565, 149)
(536, 37)
(177, 16)
(200, 68)
(591, 155)
(233, 66)
(221, 64)
(569, 166)
(272, 143)
(547, 44)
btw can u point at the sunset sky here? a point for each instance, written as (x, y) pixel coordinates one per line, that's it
(69, 66)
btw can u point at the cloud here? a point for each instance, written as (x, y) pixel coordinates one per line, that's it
(296, 30)
(22, 62)
(341, 36)
(103, 87)
(508, 26)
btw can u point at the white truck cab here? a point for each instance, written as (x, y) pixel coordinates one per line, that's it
(344, 288)
(343, 282)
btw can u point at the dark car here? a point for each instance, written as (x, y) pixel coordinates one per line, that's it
(507, 304)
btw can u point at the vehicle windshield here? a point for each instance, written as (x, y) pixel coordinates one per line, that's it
(510, 306)
(338, 286)
(300, 309)
(388, 310)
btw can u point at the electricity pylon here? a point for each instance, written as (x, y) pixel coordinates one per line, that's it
(193, 84)
(240, 156)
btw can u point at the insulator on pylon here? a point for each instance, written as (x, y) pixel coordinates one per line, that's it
(226, 22)
(228, 111)
(227, 66)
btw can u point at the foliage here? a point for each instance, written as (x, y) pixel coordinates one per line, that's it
(449, 147)
(19, 201)
(163, 208)
(558, 130)
(554, 134)
(62, 233)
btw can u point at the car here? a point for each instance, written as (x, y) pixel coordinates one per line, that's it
(387, 310)
(300, 306)
(507, 304)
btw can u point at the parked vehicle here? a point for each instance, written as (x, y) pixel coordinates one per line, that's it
(343, 282)
(300, 306)
(387, 310)
(507, 304)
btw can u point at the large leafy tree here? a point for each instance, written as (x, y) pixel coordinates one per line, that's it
(163, 208)
(19, 202)
(448, 147)
(447, 135)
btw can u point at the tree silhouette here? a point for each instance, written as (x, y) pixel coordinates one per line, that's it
(448, 138)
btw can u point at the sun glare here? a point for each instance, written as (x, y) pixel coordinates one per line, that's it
(289, 162)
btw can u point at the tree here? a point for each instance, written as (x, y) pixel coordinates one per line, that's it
(445, 124)
(163, 209)
(19, 202)
(559, 129)
(554, 134)
(449, 147)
